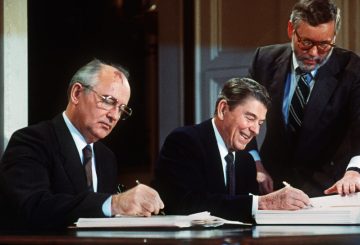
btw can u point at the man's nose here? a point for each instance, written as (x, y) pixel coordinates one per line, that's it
(114, 114)
(255, 128)
(313, 51)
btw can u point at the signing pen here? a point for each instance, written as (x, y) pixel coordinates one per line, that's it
(286, 184)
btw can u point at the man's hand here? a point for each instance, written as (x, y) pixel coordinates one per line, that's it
(140, 201)
(350, 183)
(287, 198)
(264, 179)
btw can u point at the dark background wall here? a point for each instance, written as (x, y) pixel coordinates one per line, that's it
(64, 35)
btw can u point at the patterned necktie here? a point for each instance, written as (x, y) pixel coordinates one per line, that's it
(230, 173)
(87, 151)
(299, 100)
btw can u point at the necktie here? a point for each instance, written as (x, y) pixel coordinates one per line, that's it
(87, 151)
(299, 100)
(230, 173)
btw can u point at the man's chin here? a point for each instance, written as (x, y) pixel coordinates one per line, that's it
(100, 134)
(308, 67)
(241, 146)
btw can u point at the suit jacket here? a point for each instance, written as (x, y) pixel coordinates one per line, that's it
(43, 183)
(189, 175)
(332, 112)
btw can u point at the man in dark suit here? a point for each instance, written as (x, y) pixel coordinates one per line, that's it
(306, 129)
(203, 167)
(55, 172)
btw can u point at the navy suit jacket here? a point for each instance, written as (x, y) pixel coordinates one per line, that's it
(189, 175)
(332, 113)
(43, 183)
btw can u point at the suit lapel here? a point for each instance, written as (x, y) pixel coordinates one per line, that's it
(214, 161)
(324, 87)
(71, 159)
(277, 86)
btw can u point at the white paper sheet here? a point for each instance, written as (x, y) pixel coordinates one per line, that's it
(180, 221)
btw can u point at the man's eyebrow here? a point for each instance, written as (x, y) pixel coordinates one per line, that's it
(248, 113)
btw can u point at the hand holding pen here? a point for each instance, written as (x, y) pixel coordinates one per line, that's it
(140, 200)
(287, 198)
(161, 212)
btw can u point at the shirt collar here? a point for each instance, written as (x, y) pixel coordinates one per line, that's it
(296, 65)
(79, 140)
(220, 142)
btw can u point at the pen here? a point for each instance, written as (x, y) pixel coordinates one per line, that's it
(286, 184)
(121, 188)
(161, 211)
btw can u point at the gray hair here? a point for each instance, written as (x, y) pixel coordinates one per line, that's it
(316, 12)
(237, 90)
(88, 74)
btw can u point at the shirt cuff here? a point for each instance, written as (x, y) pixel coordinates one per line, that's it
(106, 207)
(354, 162)
(255, 155)
(255, 204)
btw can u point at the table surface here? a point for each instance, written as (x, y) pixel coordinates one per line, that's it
(265, 234)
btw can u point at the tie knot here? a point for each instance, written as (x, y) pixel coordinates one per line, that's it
(229, 158)
(87, 151)
(305, 75)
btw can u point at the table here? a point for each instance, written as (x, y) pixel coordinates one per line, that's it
(269, 235)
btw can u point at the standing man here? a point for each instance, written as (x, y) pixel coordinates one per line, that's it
(57, 171)
(315, 89)
(204, 167)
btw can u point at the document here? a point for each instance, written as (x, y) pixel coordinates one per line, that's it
(179, 221)
(333, 209)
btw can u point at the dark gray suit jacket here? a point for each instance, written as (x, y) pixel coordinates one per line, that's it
(43, 183)
(189, 175)
(332, 113)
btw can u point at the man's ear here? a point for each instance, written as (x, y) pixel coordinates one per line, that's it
(221, 109)
(290, 29)
(75, 93)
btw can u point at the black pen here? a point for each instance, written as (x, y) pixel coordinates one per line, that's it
(121, 188)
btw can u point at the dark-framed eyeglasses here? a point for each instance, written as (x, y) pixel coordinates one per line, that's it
(108, 102)
(306, 44)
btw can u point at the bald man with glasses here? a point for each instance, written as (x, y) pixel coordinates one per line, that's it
(57, 171)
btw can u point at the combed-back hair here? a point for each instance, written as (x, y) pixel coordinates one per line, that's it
(89, 73)
(236, 90)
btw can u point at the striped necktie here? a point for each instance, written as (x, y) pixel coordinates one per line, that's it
(299, 100)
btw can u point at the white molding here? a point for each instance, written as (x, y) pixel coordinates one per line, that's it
(14, 110)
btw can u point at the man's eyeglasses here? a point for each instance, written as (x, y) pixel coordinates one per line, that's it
(306, 44)
(108, 102)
